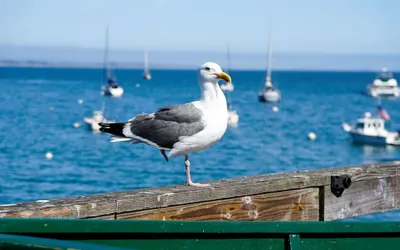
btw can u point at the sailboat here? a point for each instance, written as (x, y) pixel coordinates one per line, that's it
(270, 93)
(233, 116)
(228, 87)
(146, 74)
(112, 88)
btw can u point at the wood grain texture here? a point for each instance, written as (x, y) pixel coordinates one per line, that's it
(156, 198)
(62, 208)
(225, 189)
(295, 205)
(364, 197)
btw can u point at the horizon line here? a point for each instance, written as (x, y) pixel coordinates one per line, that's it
(309, 53)
(135, 66)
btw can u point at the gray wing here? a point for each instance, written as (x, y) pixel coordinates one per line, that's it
(165, 126)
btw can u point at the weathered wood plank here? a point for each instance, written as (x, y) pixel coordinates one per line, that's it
(239, 187)
(155, 198)
(294, 205)
(364, 197)
(57, 209)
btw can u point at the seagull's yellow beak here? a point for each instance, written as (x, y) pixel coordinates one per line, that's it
(224, 76)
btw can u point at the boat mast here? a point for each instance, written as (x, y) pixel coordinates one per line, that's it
(103, 107)
(268, 77)
(228, 58)
(146, 70)
(228, 66)
(106, 65)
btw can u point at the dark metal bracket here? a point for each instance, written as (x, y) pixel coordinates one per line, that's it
(339, 183)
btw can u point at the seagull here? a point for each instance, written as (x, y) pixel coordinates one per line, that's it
(183, 128)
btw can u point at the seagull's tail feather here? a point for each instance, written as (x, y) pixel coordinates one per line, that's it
(116, 128)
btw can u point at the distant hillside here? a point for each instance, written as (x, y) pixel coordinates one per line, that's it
(42, 64)
(93, 58)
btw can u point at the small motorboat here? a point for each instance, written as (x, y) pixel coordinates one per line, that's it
(384, 85)
(371, 130)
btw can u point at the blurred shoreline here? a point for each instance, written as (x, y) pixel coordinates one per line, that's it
(74, 57)
(139, 66)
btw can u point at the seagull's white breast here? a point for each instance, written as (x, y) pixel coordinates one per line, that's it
(215, 118)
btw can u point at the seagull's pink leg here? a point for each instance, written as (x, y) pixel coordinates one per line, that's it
(188, 180)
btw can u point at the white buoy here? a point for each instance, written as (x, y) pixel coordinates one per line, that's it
(80, 101)
(137, 85)
(49, 156)
(275, 109)
(77, 124)
(312, 136)
(51, 108)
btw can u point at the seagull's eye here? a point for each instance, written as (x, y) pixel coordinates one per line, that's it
(207, 68)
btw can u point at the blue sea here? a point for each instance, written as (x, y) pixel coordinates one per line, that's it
(264, 142)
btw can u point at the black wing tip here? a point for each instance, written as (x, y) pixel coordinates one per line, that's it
(102, 126)
(112, 128)
(164, 154)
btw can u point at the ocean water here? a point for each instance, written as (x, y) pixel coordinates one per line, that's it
(264, 142)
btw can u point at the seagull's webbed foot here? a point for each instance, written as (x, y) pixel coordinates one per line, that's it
(196, 184)
(188, 179)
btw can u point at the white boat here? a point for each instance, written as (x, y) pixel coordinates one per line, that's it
(384, 85)
(146, 74)
(371, 130)
(112, 88)
(270, 93)
(233, 116)
(93, 122)
(227, 87)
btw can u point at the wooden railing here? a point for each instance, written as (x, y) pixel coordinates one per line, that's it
(323, 194)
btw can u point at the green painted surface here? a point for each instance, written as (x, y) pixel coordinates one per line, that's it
(210, 235)
(294, 242)
(8, 241)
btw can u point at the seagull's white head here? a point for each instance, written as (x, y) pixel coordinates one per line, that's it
(212, 72)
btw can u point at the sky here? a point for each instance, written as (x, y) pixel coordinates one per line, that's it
(308, 26)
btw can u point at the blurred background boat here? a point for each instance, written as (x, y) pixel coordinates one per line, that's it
(112, 88)
(146, 71)
(384, 85)
(270, 93)
(92, 122)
